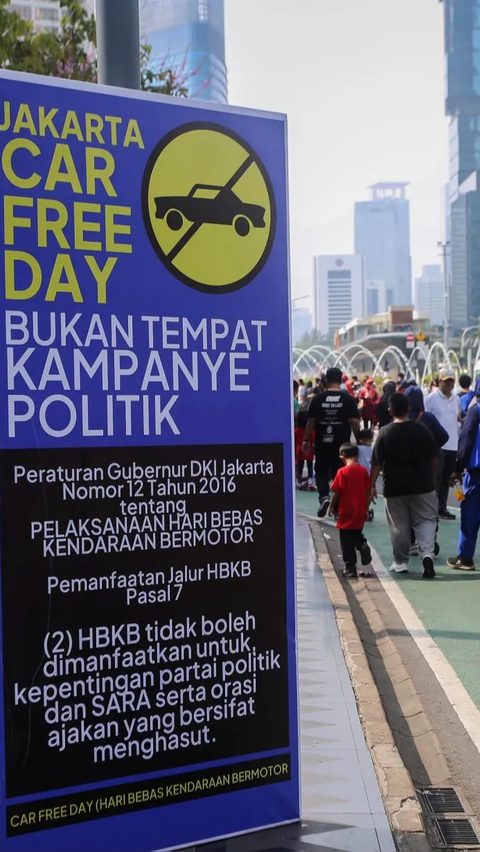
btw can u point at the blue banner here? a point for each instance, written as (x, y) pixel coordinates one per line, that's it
(147, 568)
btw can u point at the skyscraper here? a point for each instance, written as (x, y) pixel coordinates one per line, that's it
(188, 36)
(382, 238)
(462, 53)
(338, 291)
(430, 294)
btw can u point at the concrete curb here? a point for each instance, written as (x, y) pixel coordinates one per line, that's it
(395, 783)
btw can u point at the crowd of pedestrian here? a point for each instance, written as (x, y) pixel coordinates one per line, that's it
(417, 444)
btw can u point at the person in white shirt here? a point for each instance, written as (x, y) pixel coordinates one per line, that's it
(302, 394)
(446, 407)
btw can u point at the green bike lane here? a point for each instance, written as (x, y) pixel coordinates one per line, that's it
(449, 606)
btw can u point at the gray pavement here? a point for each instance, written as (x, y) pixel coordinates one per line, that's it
(339, 786)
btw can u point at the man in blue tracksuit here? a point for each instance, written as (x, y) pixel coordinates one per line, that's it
(468, 460)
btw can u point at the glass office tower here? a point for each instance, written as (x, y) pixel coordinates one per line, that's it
(189, 37)
(382, 238)
(462, 54)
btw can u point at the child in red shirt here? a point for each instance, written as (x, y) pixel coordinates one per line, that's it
(351, 494)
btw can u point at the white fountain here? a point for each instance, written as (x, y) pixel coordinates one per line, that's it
(319, 357)
(439, 357)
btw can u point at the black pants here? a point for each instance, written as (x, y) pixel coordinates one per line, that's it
(446, 466)
(350, 542)
(327, 465)
(300, 467)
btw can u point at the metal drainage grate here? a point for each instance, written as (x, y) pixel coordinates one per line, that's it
(440, 800)
(455, 832)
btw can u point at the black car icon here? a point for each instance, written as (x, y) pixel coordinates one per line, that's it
(222, 207)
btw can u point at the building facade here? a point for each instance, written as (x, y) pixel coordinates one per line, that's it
(382, 238)
(430, 294)
(44, 14)
(376, 296)
(338, 291)
(462, 105)
(396, 327)
(188, 36)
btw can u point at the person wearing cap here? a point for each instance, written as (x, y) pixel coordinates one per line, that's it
(468, 469)
(446, 407)
(350, 387)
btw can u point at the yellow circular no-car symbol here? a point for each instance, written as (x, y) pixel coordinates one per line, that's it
(208, 207)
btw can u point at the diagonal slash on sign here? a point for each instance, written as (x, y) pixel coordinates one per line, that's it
(197, 225)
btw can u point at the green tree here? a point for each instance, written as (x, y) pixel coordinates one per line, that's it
(162, 80)
(13, 32)
(70, 51)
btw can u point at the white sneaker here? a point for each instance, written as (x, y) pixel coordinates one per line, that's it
(397, 568)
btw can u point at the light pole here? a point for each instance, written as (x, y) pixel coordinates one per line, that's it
(446, 292)
(118, 43)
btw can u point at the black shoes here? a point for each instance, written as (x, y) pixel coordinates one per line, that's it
(324, 507)
(428, 568)
(447, 516)
(366, 554)
(460, 563)
(349, 575)
(366, 558)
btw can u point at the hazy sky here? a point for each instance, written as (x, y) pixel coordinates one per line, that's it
(362, 84)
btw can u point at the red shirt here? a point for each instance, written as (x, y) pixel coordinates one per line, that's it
(299, 437)
(352, 484)
(370, 398)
